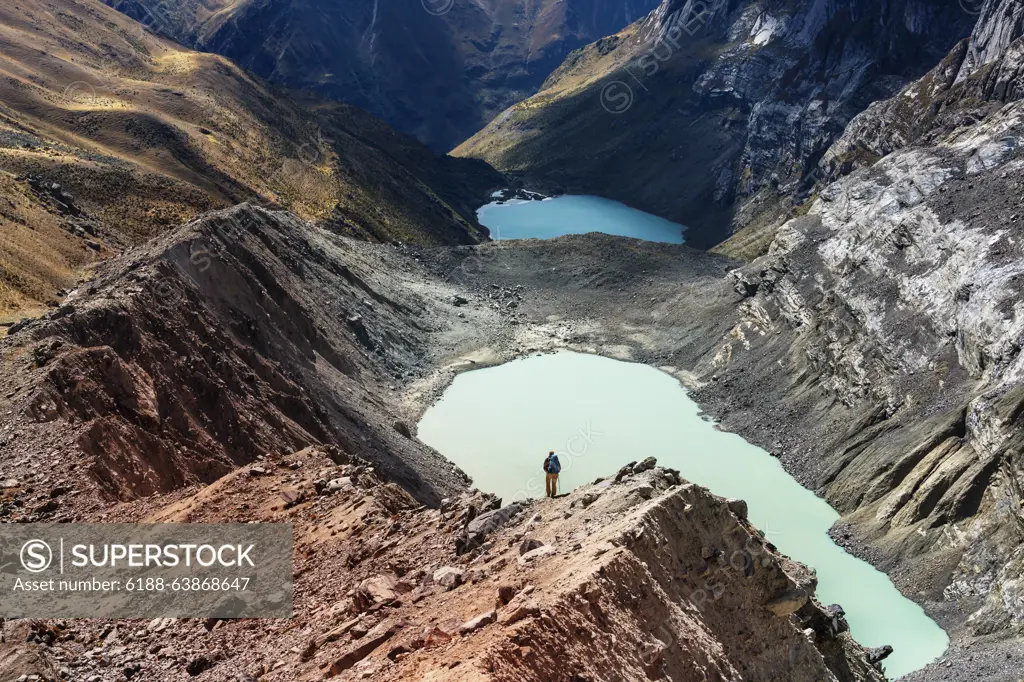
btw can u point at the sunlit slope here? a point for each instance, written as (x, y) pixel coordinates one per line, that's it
(146, 134)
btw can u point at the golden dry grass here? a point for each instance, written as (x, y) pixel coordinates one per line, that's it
(147, 134)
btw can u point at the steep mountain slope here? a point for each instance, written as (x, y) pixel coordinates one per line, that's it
(246, 333)
(123, 135)
(250, 366)
(899, 297)
(874, 345)
(437, 69)
(973, 82)
(714, 114)
(875, 349)
(384, 592)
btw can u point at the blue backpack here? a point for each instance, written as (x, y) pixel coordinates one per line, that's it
(552, 464)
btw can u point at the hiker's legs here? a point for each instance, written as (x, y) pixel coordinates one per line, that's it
(549, 485)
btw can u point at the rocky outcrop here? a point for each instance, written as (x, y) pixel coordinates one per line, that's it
(626, 594)
(1000, 24)
(974, 81)
(872, 349)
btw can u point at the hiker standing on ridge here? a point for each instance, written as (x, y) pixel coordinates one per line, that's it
(551, 469)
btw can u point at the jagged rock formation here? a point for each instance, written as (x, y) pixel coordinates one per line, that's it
(899, 295)
(874, 350)
(975, 80)
(876, 342)
(649, 578)
(715, 114)
(875, 347)
(436, 69)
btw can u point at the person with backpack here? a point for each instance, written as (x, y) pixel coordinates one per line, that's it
(551, 469)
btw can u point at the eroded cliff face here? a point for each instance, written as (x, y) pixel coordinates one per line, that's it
(715, 114)
(898, 297)
(246, 333)
(975, 80)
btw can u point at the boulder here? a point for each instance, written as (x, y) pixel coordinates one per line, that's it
(338, 484)
(490, 521)
(506, 593)
(624, 471)
(645, 465)
(788, 603)
(449, 577)
(476, 623)
(738, 507)
(383, 587)
(837, 620)
(528, 545)
(805, 577)
(536, 554)
(481, 526)
(879, 654)
(519, 611)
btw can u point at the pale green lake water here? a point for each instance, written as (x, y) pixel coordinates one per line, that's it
(498, 424)
(575, 214)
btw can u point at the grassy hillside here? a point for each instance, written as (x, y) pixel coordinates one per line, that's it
(145, 134)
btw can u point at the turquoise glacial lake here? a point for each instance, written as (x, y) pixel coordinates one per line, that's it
(498, 424)
(572, 214)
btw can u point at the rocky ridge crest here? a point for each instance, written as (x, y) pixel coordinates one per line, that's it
(640, 576)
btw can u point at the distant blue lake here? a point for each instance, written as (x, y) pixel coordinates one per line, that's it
(572, 214)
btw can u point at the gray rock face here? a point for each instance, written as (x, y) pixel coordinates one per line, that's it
(449, 577)
(899, 292)
(480, 621)
(528, 545)
(879, 653)
(694, 138)
(974, 80)
(480, 527)
(646, 464)
(1000, 24)
(739, 508)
